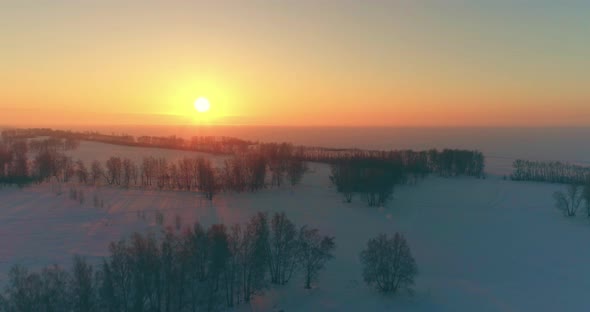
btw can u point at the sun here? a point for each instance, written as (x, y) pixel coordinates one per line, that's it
(202, 105)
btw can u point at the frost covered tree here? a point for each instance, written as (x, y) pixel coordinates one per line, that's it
(388, 264)
(570, 201)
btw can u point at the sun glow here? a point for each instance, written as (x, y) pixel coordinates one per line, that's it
(202, 105)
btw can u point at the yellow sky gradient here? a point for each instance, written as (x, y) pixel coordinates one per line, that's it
(293, 63)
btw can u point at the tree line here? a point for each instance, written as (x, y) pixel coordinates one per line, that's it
(270, 165)
(202, 269)
(374, 175)
(553, 171)
(206, 144)
(197, 269)
(250, 172)
(448, 162)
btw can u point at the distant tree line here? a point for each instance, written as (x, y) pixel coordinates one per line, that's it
(554, 172)
(268, 165)
(207, 144)
(446, 163)
(272, 166)
(66, 144)
(195, 270)
(374, 175)
(252, 166)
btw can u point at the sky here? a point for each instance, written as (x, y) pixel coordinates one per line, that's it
(295, 63)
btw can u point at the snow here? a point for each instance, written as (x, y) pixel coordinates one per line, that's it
(90, 151)
(480, 245)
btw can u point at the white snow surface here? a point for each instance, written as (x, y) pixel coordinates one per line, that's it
(480, 245)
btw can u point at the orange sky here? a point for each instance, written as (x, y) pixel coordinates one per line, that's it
(294, 63)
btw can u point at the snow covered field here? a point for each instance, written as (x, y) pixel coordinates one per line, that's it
(90, 151)
(480, 245)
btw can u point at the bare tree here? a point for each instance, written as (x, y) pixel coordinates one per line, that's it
(68, 169)
(129, 173)
(82, 286)
(148, 171)
(120, 273)
(208, 178)
(114, 167)
(388, 264)
(254, 254)
(96, 172)
(314, 251)
(161, 172)
(55, 294)
(23, 290)
(186, 169)
(231, 276)
(256, 171)
(283, 249)
(569, 202)
(18, 170)
(296, 168)
(82, 172)
(343, 177)
(219, 255)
